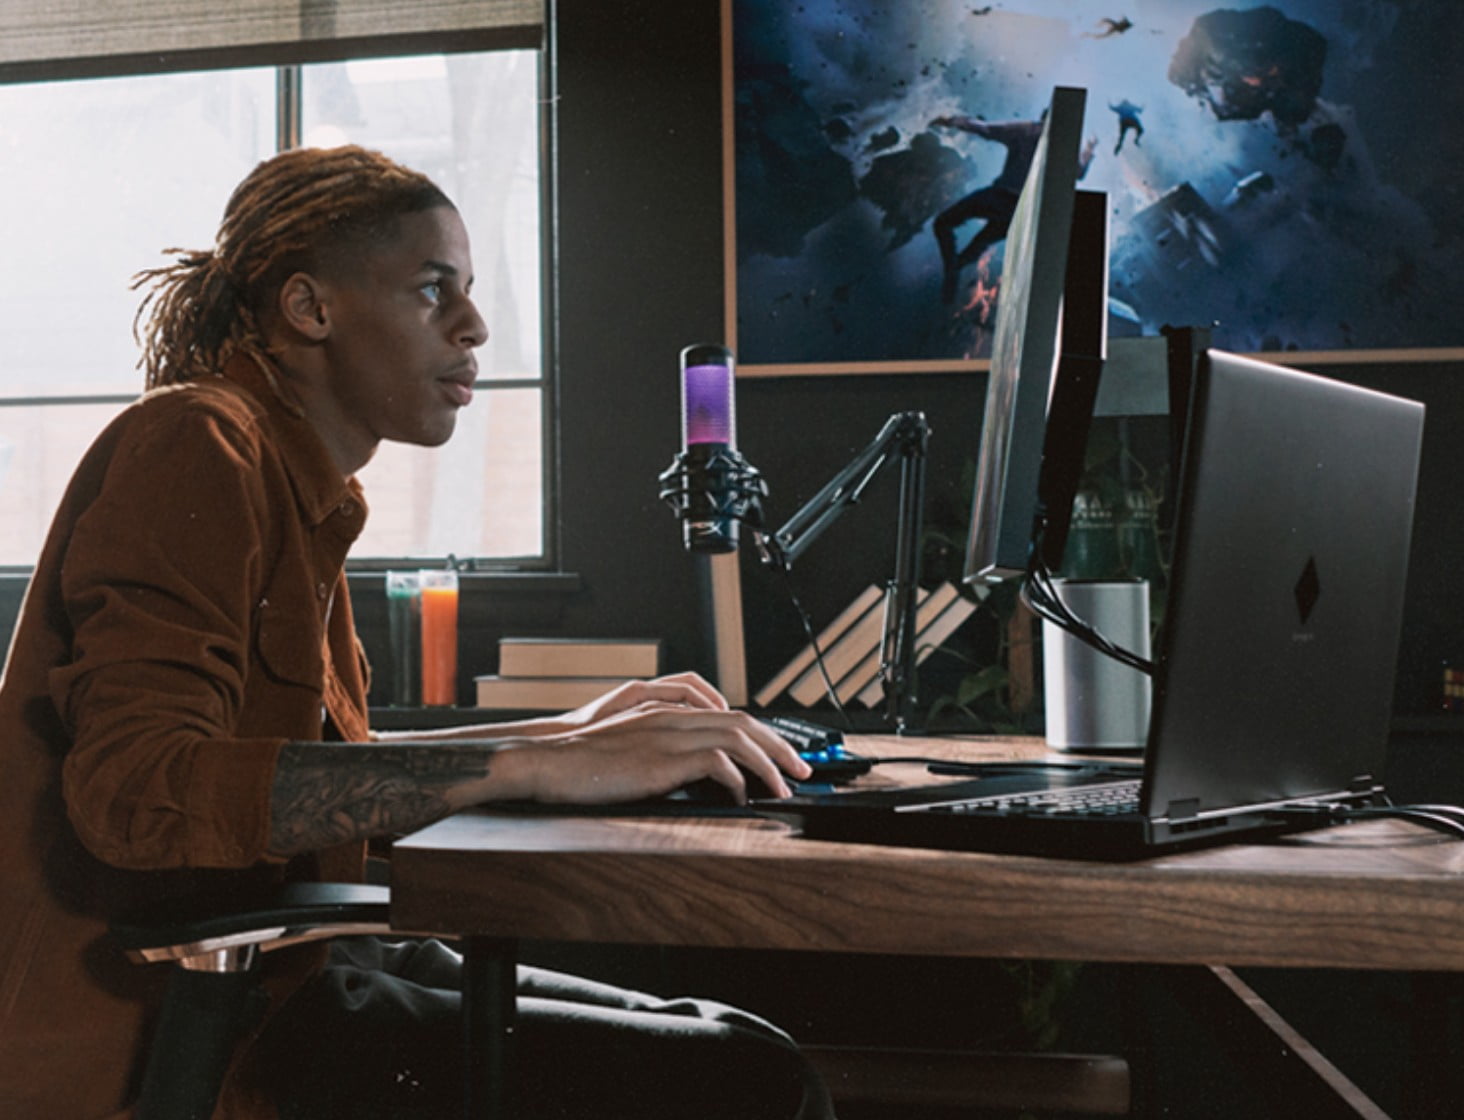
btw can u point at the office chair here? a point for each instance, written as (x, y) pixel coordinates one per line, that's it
(216, 955)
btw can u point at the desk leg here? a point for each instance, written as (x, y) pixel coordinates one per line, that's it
(489, 1008)
(1296, 1077)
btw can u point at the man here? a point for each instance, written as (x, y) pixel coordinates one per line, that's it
(1128, 121)
(994, 204)
(183, 707)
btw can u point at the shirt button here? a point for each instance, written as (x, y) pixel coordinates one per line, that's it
(321, 591)
(347, 508)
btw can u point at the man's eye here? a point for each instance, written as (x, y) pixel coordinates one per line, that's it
(432, 290)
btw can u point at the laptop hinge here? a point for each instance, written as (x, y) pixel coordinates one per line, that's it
(1183, 810)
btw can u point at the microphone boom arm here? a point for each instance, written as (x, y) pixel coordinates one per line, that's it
(906, 435)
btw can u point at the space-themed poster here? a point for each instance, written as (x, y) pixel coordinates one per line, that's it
(1286, 174)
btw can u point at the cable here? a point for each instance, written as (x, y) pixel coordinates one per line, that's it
(1441, 818)
(1452, 811)
(1001, 765)
(1039, 593)
(945, 767)
(1435, 821)
(818, 656)
(948, 768)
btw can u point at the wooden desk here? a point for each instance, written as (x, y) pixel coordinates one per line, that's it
(1379, 895)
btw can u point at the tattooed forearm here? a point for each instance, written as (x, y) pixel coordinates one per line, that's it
(330, 793)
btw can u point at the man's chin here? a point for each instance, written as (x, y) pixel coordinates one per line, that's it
(435, 434)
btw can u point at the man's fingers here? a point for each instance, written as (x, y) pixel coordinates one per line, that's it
(749, 741)
(681, 688)
(696, 688)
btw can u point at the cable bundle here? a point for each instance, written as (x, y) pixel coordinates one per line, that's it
(1040, 594)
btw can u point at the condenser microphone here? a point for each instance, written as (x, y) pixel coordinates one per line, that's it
(709, 486)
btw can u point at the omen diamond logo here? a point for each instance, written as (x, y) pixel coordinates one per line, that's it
(1307, 590)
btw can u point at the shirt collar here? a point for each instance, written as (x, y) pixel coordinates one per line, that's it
(320, 488)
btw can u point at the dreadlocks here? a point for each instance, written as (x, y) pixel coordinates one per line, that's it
(304, 209)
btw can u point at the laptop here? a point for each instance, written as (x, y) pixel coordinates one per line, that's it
(1275, 665)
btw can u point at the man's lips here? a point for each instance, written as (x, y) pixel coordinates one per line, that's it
(459, 386)
(458, 392)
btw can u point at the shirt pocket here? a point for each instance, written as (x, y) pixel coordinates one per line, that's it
(289, 636)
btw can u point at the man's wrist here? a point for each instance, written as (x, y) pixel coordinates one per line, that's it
(509, 773)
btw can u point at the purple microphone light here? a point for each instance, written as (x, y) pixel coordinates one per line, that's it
(708, 412)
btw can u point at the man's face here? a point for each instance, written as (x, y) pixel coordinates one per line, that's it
(402, 334)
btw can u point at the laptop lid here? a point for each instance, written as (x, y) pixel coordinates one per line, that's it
(1276, 663)
(1276, 666)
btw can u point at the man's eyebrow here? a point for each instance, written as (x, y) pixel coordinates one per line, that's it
(442, 268)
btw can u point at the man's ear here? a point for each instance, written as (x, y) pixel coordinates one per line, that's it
(302, 306)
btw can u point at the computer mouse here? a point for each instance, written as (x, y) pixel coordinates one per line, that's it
(830, 766)
(709, 791)
(822, 748)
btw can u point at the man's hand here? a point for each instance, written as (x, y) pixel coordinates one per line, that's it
(685, 689)
(652, 749)
(643, 739)
(966, 124)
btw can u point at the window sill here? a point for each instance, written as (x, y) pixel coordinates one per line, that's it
(559, 583)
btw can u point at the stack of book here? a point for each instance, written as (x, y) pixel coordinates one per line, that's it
(553, 674)
(853, 643)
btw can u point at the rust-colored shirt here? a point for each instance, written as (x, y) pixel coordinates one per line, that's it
(187, 617)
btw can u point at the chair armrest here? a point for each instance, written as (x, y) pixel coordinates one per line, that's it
(216, 944)
(200, 936)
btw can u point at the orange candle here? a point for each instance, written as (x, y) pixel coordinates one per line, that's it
(439, 637)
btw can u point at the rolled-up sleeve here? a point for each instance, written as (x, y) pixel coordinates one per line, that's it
(161, 584)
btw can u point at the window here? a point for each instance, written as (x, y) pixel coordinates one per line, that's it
(104, 174)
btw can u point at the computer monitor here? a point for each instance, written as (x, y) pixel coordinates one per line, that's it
(1048, 350)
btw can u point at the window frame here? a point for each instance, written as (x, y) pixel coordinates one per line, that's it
(288, 63)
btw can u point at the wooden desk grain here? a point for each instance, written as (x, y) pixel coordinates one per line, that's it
(1380, 895)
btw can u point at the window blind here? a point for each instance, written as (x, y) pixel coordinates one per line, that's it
(44, 39)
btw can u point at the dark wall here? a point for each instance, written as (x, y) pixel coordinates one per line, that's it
(801, 431)
(641, 276)
(639, 214)
(1433, 622)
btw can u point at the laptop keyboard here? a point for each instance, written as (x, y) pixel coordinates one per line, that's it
(1107, 799)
